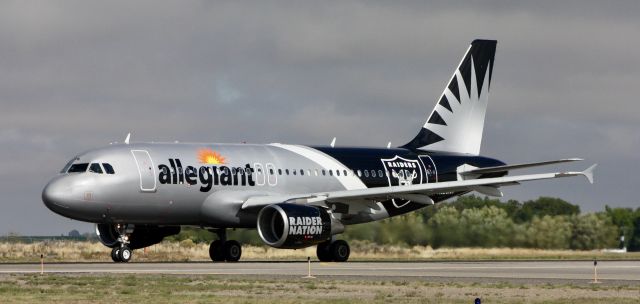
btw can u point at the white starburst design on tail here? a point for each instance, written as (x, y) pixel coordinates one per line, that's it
(465, 122)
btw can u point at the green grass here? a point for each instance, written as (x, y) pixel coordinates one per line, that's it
(72, 288)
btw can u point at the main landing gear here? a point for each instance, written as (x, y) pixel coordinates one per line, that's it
(122, 253)
(223, 249)
(333, 251)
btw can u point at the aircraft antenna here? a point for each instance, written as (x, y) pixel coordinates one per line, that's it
(333, 142)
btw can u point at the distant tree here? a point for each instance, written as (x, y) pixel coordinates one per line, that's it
(549, 232)
(592, 231)
(544, 206)
(623, 218)
(74, 233)
(473, 201)
(634, 242)
(475, 227)
(445, 228)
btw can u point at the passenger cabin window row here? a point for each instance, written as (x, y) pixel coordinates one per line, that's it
(93, 167)
(331, 172)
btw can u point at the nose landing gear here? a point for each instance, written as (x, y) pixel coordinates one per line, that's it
(122, 253)
(223, 249)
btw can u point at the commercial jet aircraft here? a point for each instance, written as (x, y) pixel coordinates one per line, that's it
(296, 196)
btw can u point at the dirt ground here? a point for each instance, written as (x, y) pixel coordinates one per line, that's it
(74, 288)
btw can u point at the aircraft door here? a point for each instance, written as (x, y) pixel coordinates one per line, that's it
(146, 170)
(429, 167)
(259, 174)
(272, 178)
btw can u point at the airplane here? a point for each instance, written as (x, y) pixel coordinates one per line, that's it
(296, 196)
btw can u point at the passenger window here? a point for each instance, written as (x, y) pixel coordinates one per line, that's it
(76, 168)
(366, 173)
(337, 172)
(108, 169)
(301, 172)
(380, 173)
(279, 171)
(294, 172)
(345, 172)
(270, 171)
(373, 173)
(308, 172)
(331, 172)
(286, 171)
(359, 173)
(316, 172)
(95, 168)
(324, 172)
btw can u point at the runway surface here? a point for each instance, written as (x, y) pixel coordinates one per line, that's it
(626, 271)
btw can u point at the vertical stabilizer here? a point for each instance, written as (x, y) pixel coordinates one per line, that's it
(456, 123)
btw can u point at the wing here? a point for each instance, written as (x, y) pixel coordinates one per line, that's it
(417, 193)
(505, 168)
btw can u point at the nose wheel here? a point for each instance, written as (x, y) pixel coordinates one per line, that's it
(122, 253)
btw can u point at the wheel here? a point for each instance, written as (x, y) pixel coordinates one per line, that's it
(232, 251)
(340, 251)
(125, 254)
(115, 254)
(216, 252)
(323, 253)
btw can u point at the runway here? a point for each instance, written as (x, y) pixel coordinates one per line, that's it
(627, 271)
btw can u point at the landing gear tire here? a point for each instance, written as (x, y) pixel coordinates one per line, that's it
(125, 254)
(216, 251)
(232, 251)
(323, 253)
(340, 251)
(115, 254)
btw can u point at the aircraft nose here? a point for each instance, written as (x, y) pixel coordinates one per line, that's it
(55, 195)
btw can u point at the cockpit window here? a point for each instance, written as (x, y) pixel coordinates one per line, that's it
(75, 168)
(108, 168)
(95, 168)
(68, 165)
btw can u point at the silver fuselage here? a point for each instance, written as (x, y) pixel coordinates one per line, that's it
(206, 184)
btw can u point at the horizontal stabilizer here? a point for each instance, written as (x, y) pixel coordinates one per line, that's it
(517, 166)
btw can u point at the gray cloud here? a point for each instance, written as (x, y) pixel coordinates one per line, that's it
(78, 74)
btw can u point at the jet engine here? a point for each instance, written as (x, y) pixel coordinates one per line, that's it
(142, 236)
(293, 226)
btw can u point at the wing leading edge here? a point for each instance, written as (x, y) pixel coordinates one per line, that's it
(418, 190)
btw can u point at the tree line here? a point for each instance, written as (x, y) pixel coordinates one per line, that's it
(472, 221)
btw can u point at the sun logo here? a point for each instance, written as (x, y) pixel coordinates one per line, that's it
(208, 156)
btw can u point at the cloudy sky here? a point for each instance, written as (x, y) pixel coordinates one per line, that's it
(76, 75)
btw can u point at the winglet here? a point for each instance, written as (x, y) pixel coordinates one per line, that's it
(588, 173)
(126, 140)
(333, 142)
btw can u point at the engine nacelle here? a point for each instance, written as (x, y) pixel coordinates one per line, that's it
(142, 236)
(295, 226)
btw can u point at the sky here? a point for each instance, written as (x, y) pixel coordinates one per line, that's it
(76, 75)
